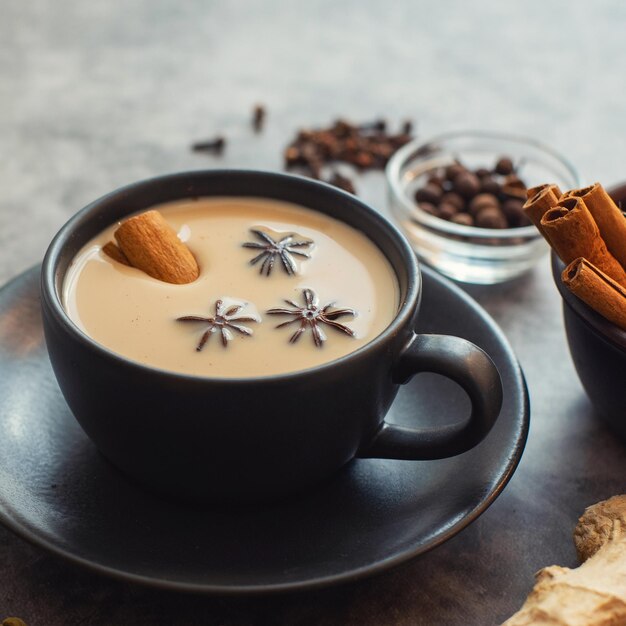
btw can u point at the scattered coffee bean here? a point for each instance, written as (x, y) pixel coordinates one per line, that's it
(504, 166)
(481, 172)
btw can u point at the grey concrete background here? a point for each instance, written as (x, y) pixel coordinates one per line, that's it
(97, 94)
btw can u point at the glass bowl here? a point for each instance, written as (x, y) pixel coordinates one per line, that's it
(468, 253)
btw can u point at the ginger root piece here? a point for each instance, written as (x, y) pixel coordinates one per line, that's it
(596, 526)
(593, 594)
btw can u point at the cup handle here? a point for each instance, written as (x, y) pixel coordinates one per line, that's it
(467, 365)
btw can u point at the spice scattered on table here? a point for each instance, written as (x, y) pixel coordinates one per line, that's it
(486, 198)
(366, 146)
(259, 114)
(214, 146)
(342, 182)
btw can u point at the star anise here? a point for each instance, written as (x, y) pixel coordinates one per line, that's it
(283, 249)
(223, 322)
(311, 315)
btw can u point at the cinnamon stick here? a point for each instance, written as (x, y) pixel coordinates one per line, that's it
(597, 290)
(608, 217)
(543, 199)
(152, 245)
(533, 191)
(572, 232)
(113, 252)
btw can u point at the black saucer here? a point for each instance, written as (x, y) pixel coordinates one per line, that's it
(58, 492)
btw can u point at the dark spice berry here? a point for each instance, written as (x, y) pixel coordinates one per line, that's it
(452, 171)
(489, 185)
(466, 184)
(427, 207)
(447, 211)
(435, 180)
(513, 181)
(514, 192)
(480, 197)
(463, 218)
(490, 217)
(481, 201)
(514, 212)
(454, 198)
(429, 193)
(504, 166)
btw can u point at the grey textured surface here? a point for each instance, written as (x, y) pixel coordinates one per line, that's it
(97, 94)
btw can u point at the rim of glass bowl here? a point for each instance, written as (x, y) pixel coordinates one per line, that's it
(417, 147)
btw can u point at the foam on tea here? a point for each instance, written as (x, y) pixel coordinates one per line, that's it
(281, 288)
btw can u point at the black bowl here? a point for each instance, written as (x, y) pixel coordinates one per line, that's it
(598, 348)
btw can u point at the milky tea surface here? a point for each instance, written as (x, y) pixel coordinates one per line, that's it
(136, 316)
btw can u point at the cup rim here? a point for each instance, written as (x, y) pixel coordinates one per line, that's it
(51, 297)
(400, 158)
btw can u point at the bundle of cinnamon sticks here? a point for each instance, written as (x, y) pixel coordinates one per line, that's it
(587, 231)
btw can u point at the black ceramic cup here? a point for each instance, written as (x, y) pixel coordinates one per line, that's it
(262, 437)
